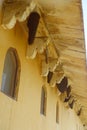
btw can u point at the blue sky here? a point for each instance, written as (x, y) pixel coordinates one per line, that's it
(84, 3)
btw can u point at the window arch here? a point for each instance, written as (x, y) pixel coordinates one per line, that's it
(57, 112)
(43, 101)
(11, 74)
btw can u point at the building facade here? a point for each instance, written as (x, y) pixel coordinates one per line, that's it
(27, 99)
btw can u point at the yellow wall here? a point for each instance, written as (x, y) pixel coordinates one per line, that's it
(24, 114)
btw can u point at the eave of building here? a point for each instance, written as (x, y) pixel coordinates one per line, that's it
(64, 28)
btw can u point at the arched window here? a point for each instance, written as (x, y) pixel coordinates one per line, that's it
(43, 101)
(11, 74)
(32, 24)
(57, 112)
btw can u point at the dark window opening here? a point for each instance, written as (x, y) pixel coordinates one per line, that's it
(11, 74)
(67, 98)
(32, 24)
(43, 101)
(68, 91)
(49, 77)
(71, 104)
(62, 86)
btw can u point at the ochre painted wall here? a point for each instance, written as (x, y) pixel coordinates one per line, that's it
(24, 114)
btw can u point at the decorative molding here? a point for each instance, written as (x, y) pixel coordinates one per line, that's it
(38, 46)
(50, 66)
(19, 11)
(57, 77)
(41, 39)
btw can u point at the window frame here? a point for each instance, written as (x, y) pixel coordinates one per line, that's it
(57, 112)
(14, 90)
(43, 105)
